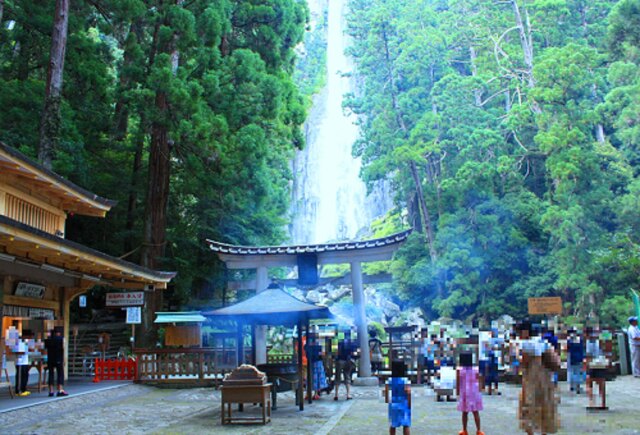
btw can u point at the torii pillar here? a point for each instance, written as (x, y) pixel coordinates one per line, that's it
(262, 281)
(361, 320)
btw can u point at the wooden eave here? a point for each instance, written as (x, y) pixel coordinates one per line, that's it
(19, 242)
(20, 171)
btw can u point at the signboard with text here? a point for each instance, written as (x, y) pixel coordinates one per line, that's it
(134, 315)
(127, 299)
(30, 290)
(548, 305)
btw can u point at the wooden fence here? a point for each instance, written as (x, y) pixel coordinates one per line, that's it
(202, 366)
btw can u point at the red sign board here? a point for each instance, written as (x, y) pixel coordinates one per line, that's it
(128, 299)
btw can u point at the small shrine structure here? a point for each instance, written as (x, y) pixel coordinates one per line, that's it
(307, 258)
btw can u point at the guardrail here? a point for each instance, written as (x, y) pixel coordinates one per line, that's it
(114, 370)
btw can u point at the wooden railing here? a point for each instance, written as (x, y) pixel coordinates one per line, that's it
(199, 365)
(280, 358)
(32, 215)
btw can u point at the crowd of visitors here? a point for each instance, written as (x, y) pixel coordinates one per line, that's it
(533, 355)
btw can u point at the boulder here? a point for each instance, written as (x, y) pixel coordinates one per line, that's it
(390, 309)
(335, 294)
(313, 296)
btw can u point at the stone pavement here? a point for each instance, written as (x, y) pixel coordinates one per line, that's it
(135, 409)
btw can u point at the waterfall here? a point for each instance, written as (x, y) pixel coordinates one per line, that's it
(330, 201)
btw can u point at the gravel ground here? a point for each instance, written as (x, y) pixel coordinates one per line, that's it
(137, 409)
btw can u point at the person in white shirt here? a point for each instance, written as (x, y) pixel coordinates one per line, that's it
(634, 344)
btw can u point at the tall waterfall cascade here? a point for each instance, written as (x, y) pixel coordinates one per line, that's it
(330, 201)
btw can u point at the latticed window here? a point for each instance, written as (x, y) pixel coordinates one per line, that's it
(32, 215)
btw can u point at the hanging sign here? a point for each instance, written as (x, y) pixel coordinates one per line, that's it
(134, 315)
(128, 299)
(30, 290)
(82, 301)
(549, 305)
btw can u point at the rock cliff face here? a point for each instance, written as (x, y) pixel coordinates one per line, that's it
(330, 202)
(379, 307)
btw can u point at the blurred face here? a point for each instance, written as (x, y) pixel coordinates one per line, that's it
(634, 323)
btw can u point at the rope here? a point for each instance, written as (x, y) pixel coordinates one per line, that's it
(278, 378)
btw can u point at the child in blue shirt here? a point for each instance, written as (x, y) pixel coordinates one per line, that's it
(400, 405)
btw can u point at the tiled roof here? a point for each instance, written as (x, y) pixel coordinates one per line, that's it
(224, 248)
(272, 306)
(42, 170)
(67, 245)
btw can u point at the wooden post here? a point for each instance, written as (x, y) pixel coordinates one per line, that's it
(239, 345)
(66, 304)
(260, 354)
(253, 344)
(300, 377)
(201, 364)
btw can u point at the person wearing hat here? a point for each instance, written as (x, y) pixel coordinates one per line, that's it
(634, 344)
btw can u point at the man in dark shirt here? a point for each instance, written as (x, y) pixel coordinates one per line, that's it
(55, 358)
(347, 350)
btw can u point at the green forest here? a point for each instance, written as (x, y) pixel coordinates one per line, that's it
(509, 130)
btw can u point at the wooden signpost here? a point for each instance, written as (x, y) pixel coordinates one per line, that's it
(547, 305)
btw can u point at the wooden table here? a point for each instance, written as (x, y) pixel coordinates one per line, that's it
(246, 394)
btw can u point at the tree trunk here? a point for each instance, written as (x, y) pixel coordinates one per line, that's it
(525, 41)
(132, 203)
(155, 223)
(477, 93)
(50, 121)
(426, 218)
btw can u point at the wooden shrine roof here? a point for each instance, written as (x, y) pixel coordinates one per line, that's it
(179, 317)
(26, 245)
(253, 256)
(18, 169)
(272, 306)
(308, 249)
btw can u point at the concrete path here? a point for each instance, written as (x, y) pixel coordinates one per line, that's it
(137, 409)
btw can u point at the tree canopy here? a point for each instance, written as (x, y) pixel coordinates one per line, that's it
(509, 132)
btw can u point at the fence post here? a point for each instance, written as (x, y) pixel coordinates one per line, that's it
(201, 363)
(96, 371)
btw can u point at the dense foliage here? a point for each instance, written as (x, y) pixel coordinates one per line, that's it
(510, 131)
(231, 113)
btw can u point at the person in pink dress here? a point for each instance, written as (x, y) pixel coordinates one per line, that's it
(468, 392)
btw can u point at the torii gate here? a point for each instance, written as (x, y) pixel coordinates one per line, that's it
(354, 253)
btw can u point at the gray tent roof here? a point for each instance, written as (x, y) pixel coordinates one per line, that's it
(273, 306)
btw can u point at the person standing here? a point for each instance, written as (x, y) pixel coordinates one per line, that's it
(634, 345)
(55, 360)
(400, 404)
(468, 392)
(314, 355)
(375, 351)
(347, 351)
(575, 361)
(23, 365)
(538, 405)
